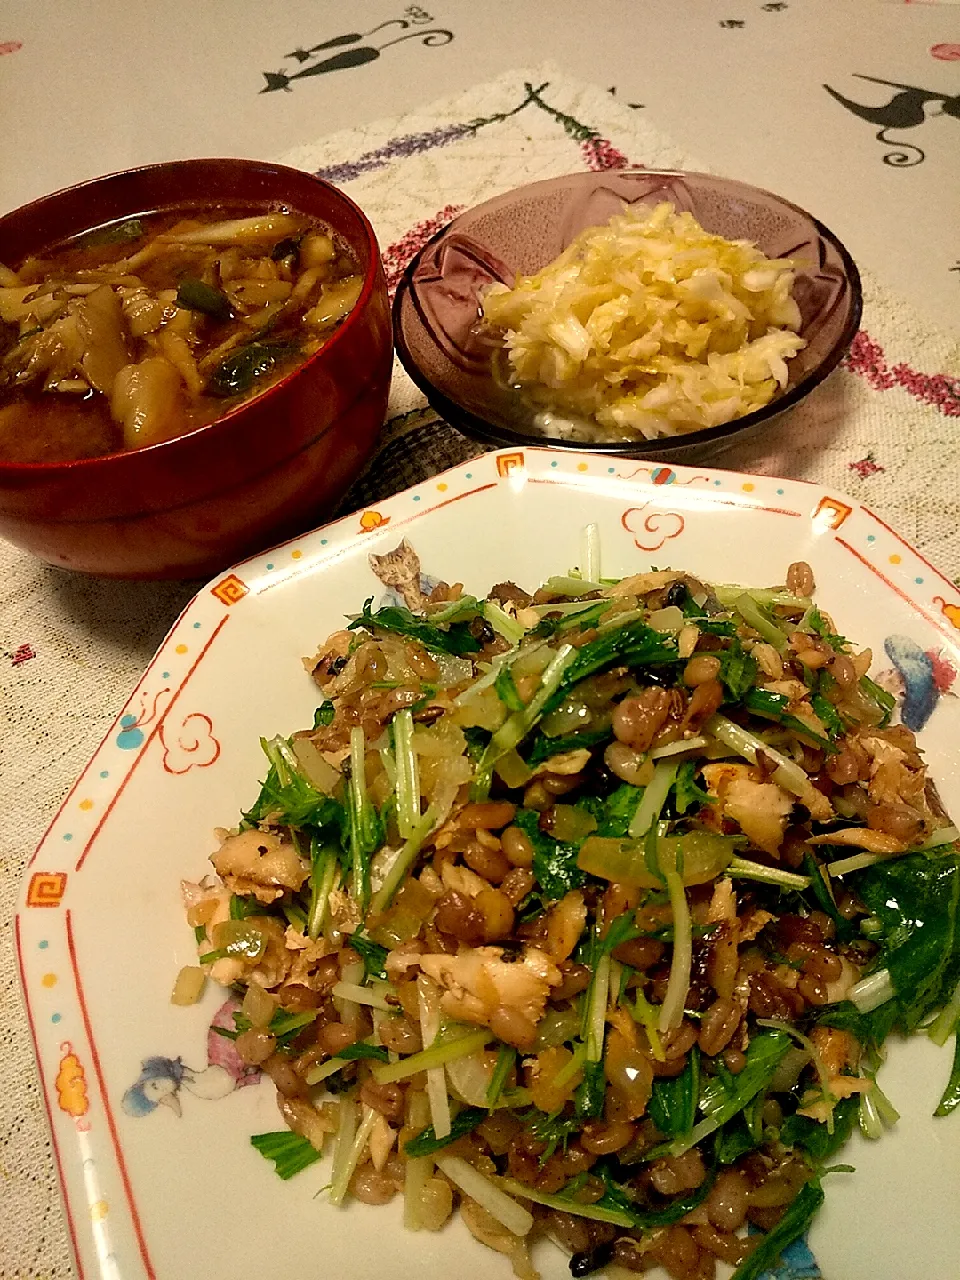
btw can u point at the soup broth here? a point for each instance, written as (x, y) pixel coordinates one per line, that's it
(145, 329)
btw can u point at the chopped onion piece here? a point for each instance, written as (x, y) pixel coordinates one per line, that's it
(667, 621)
(568, 585)
(437, 1055)
(678, 984)
(346, 1134)
(419, 1170)
(487, 1194)
(873, 991)
(329, 1068)
(591, 552)
(402, 862)
(408, 774)
(501, 621)
(258, 1005)
(351, 991)
(744, 869)
(653, 799)
(597, 1016)
(788, 774)
(188, 987)
(946, 1021)
(429, 1006)
(749, 610)
(676, 748)
(946, 835)
(340, 1180)
(262, 226)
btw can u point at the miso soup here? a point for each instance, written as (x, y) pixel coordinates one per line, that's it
(145, 329)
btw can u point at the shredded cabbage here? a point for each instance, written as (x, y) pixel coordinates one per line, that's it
(649, 326)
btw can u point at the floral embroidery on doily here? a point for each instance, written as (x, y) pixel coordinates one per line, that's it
(867, 466)
(22, 654)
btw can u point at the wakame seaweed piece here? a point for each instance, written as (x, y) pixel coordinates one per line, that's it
(117, 233)
(289, 247)
(544, 747)
(917, 900)
(673, 1102)
(633, 644)
(554, 861)
(790, 1227)
(238, 371)
(455, 638)
(195, 295)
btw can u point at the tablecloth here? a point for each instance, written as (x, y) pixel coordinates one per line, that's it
(885, 428)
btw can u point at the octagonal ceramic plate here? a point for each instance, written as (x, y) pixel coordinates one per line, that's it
(151, 1116)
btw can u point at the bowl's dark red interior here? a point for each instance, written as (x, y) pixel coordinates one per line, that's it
(270, 467)
(449, 356)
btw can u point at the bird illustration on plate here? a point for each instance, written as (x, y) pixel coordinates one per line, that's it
(918, 680)
(162, 1080)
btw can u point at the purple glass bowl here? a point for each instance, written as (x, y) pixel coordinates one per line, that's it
(450, 358)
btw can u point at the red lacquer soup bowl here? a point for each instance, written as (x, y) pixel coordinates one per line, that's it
(269, 467)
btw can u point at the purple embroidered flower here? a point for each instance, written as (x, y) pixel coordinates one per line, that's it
(410, 144)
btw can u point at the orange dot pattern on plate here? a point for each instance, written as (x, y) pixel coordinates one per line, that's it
(99, 1210)
(180, 648)
(748, 487)
(296, 555)
(895, 559)
(49, 980)
(85, 805)
(372, 520)
(441, 488)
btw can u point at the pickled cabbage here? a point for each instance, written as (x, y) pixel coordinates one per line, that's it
(649, 326)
